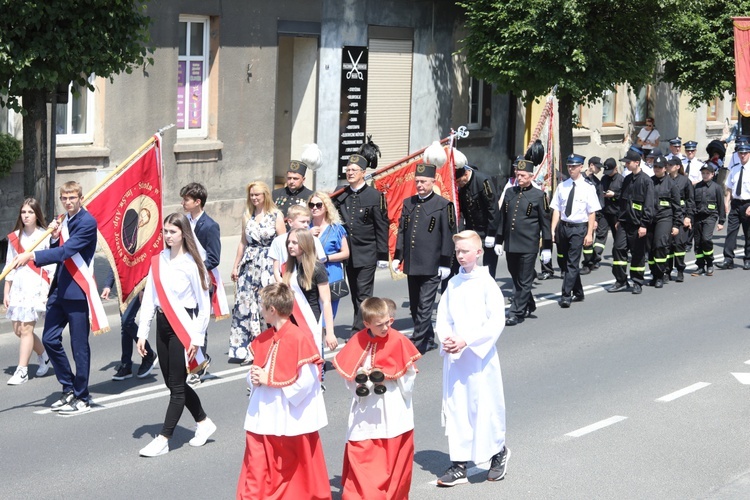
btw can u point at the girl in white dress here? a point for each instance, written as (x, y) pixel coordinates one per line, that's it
(26, 290)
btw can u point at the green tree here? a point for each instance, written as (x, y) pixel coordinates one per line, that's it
(47, 43)
(699, 57)
(585, 47)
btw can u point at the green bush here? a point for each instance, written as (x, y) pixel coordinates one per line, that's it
(10, 151)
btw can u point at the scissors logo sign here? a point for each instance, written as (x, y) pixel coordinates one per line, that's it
(354, 73)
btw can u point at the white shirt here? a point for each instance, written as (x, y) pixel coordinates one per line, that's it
(650, 144)
(693, 169)
(185, 285)
(733, 179)
(585, 202)
(279, 252)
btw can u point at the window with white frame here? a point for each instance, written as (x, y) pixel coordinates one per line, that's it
(192, 77)
(609, 105)
(644, 105)
(476, 98)
(75, 120)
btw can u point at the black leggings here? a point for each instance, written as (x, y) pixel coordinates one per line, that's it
(172, 361)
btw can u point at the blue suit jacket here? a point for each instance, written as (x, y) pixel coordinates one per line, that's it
(209, 236)
(81, 239)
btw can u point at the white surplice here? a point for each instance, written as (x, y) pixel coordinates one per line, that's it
(472, 308)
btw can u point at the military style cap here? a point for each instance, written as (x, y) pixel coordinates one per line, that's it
(631, 156)
(358, 160)
(516, 160)
(610, 164)
(691, 146)
(674, 160)
(654, 153)
(677, 141)
(574, 159)
(709, 166)
(297, 167)
(525, 166)
(425, 170)
(660, 162)
(596, 161)
(742, 147)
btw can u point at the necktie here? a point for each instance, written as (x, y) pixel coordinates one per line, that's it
(687, 170)
(569, 205)
(738, 191)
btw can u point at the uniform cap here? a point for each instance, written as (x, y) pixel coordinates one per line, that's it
(297, 167)
(660, 162)
(358, 160)
(610, 164)
(425, 170)
(525, 166)
(631, 156)
(654, 153)
(674, 160)
(516, 160)
(709, 166)
(691, 146)
(575, 159)
(742, 146)
(677, 141)
(596, 161)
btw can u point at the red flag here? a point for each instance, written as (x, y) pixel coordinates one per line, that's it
(128, 210)
(742, 63)
(399, 185)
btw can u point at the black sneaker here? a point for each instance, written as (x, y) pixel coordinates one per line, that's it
(498, 465)
(123, 372)
(453, 476)
(66, 398)
(147, 364)
(75, 407)
(617, 287)
(680, 277)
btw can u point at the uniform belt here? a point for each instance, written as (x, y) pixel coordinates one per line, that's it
(574, 224)
(740, 201)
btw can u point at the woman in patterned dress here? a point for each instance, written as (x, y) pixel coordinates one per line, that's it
(326, 226)
(253, 269)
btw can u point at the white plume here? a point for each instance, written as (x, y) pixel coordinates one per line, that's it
(435, 155)
(459, 159)
(312, 156)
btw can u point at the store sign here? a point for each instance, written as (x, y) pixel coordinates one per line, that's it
(353, 103)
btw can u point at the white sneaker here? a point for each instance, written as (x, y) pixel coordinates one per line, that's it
(159, 446)
(21, 376)
(43, 366)
(203, 431)
(193, 379)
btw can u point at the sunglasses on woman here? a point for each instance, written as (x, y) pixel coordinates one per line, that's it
(317, 205)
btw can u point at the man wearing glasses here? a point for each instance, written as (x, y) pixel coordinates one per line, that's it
(738, 201)
(648, 137)
(365, 217)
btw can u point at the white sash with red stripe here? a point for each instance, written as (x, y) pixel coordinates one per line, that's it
(178, 317)
(16, 243)
(306, 319)
(84, 277)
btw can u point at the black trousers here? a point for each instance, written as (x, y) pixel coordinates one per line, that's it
(626, 238)
(172, 362)
(735, 219)
(521, 269)
(569, 248)
(361, 286)
(593, 254)
(678, 249)
(703, 233)
(659, 236)
(422, 293)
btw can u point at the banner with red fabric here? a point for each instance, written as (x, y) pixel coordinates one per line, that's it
(128, 211)
(399, 184)
(742, 63)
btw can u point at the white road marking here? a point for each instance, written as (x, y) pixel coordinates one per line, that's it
(682, 392)
(747, 362)
(743, 378)
(596, 426)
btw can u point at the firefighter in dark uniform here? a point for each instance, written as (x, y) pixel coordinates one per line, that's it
(425, 245)
(365, 217)
(738, 200)
(709, 209)
(478, 203)
(522, 220)
(611, 187)
(295, 192)
(680, 243)
(636, 211)
(592, 254)
(666, 222)
(574, 206)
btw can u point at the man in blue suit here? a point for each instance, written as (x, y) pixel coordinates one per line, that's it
(67, 303)
(208, 234)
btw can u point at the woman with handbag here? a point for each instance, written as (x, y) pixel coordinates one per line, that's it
(326, 225)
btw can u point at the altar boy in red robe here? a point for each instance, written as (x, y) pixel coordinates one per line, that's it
(378, 366)
(283, 454)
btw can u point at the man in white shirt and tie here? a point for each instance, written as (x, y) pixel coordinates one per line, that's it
(574, 206)
(738, 206)
(691, 164)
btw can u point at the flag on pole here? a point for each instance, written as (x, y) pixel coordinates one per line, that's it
(128, 210)
(742, 63)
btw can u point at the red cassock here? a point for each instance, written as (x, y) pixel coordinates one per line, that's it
(377, 469)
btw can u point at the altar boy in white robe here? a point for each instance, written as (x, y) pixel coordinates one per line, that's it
(470, 319)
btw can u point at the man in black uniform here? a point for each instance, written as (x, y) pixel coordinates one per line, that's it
(365, 217)
(611, 186)
(738, 200)
(635, 213)
(295, 192)
(522, 220)
(709, 208)
(425, 244)
(592, 254)
(666, 222)
(478, 209)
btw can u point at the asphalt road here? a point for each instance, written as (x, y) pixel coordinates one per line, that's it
(621, 396)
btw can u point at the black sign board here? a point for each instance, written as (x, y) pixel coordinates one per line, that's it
(353, 103)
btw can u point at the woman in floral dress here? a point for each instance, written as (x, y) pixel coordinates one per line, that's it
(253, 269)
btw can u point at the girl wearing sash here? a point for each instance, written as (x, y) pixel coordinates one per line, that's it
(308, 279)
(26, 290)
(177, 290)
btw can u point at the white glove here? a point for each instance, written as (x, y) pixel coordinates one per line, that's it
(394, 265)
(489, 241)
(382, 264)
(499, 250)
(444, 272)
(546, 256)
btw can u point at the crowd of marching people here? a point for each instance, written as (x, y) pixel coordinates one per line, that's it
(301, 252)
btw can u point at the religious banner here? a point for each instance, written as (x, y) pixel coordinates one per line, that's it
(128, 210)
(742, 63)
